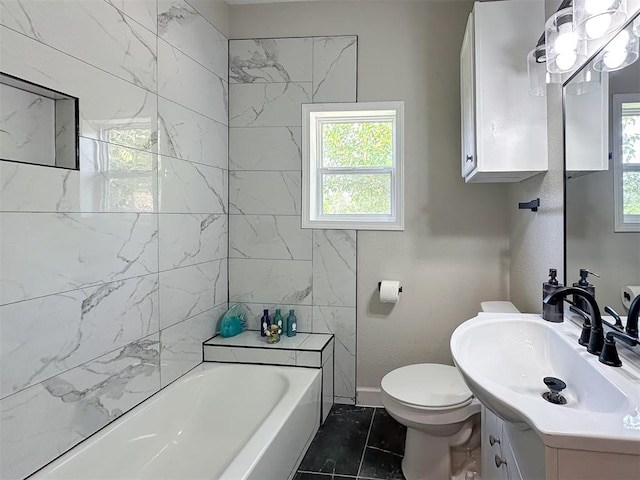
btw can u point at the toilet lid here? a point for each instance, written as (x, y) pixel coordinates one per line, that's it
(427, 385)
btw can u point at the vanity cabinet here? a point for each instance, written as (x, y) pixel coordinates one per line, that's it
(513, 453)
(504, 129)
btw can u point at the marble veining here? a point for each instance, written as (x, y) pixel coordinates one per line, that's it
(265, 193)
(99, 35)
(269, 236)
(142, 11)
(27, 126)
(334, 69)
(270, 60)
(267, 104)
(46, 336)
(334, 267)
(184, 28)
(187, 239)
(45, 420)
(266, 148)
(90, 249)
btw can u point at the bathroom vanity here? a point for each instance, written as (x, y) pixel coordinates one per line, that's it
(595, 435)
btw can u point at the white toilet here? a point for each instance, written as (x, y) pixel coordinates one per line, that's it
(439, 411)
(437, 408)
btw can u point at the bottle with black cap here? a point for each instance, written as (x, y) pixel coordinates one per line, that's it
(583, 283)
(552, 313)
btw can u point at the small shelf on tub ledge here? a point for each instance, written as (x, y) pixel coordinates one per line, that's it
(304, 350)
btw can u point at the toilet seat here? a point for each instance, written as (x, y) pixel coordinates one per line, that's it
(427, 386)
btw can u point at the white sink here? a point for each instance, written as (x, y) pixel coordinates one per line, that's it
(504, 358)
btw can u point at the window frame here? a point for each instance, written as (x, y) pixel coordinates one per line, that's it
(314, 116)
(623, 223)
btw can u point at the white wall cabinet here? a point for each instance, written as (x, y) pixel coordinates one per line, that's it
(504, 129)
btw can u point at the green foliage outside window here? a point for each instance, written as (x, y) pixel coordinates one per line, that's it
(357, 145)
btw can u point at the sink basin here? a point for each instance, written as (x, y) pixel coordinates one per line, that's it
(504, 358)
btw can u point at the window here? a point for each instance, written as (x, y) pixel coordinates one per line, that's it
(352, 174)
(626, 157)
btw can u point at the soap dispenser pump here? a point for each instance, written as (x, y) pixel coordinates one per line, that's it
(552, 313)
(584, 284)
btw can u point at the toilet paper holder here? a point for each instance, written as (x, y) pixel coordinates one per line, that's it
(380, 283)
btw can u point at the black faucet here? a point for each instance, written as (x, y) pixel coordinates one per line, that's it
(632, 317)
(596, 339)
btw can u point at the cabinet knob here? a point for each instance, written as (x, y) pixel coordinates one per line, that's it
(500, 461)
(493, 440)
(469, 158)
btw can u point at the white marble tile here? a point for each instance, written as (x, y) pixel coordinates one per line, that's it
(265, 148)
(187, 239)
(27, 126)
(188, 291)
(186, 82)
(184, 28)
(270, 60)
(308, 359)
(269, 237)
(265, 193)
(250, 355)
(111, 109)
(98, 35)
(341, 321)
(48, 335)
(185, 134)
(334, 267)
(267, 104)
(142, 11)
(89, 249)
(303, 314)
(43, 421)
(182, 344)
(253, 339)
(334, 69)
(58, 189)
(112, 178)
(186, 187)
(285, 282)
(327, 387)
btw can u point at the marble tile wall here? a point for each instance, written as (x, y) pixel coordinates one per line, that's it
(272, 261)
(111, 276)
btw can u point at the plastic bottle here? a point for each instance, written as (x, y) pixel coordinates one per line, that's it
(292, 324)
(552, 313)
(265, 323)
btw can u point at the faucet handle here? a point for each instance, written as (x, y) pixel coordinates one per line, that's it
(615, 315)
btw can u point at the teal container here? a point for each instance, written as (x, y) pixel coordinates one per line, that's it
(292, 324)
(278, 320)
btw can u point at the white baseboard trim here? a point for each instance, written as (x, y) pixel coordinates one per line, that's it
(368, 397)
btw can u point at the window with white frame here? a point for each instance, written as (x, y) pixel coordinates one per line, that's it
(626, 158)
(352, 176)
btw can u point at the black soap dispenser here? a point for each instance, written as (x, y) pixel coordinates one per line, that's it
(552, 313)
(584, 284)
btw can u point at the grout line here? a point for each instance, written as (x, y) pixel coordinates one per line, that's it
(366, 442)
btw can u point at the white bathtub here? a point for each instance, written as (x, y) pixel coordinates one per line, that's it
(220, 421)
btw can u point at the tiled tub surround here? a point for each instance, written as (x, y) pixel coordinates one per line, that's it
(273, 263)
(111, 277)
(310, 350)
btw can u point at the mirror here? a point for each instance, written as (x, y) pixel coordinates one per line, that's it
(602, 169)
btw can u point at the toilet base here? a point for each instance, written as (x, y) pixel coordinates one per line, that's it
(426, 457)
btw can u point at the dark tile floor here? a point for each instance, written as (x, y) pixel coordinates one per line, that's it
(355, 443)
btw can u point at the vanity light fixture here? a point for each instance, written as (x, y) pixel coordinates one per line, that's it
(594, 19)
(539, 77)
(619, 53)
(565, 49)
(587, 80)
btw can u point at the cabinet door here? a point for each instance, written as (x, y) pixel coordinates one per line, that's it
(467, 92)
(491, 446)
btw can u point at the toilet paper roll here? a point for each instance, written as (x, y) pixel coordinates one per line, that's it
(389, 291)
(628, 294)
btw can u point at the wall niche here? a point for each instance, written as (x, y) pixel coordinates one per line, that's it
(37, 125)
